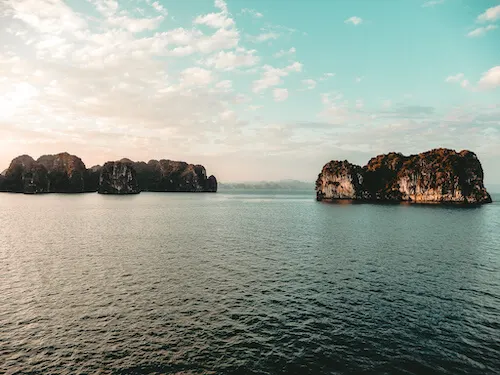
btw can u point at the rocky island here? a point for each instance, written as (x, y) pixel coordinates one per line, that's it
(436, 176)
(65, 173)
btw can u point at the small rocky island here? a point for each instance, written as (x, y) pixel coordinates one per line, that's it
(436, 176)
(65, 173)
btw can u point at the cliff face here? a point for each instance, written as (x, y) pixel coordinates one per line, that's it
(25, 175)
(436, 176)
(65, 173)
(61, 173)
(118, 178)
(174, 176)
(340, 180)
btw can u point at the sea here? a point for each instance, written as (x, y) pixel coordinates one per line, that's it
(246, 282)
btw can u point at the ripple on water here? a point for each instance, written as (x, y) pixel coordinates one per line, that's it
(246, 284)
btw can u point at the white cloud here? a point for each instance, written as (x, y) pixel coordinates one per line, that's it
(231, 60)
(272, 76)
(105, 7)
(252, 12)
(159, 8)
(265, 37)
(225, 85)
(221, 4)
(46, 16)
(490, 15)
(490, 79)
(220, 40)
(354, 20)
(135, 25)
(359, 104)
(280, 95)
(387, 103)
(458, 78)
(325, 76)
(455, 78)
(283, 52)
(215, 20)
(359, 79)
(309, 83)
(480, 31)
(196, 77)
(431, 3)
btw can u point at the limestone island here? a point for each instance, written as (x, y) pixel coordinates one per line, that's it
(436, 176)
(65, 173)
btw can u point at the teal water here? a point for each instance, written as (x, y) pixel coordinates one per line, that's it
(246, 283)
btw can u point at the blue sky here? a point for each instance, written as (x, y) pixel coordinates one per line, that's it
(252, 89)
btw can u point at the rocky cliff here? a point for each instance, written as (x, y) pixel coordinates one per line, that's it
(436, 176)
(117, 177)
(61, 173)
(65, 173)
(174, 176)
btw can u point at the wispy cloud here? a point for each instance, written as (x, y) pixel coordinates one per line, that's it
(490, 15)
(432, 3)
(280, 95)
(252, 12)
(354, 20)
(480, 31)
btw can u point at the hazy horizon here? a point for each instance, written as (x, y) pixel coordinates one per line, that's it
(249, 89)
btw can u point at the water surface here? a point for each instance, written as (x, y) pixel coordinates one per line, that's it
(246, 283)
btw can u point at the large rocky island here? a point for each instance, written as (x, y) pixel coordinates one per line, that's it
(65, 173)
(436, 176)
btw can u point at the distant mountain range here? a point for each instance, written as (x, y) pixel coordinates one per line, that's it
(267, 185)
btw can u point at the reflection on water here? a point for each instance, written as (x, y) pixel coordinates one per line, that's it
(254, 282)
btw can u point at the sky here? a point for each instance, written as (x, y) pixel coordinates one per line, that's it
(252, 89)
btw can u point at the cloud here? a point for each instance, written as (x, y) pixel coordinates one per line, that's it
(490, 15)
(135, 25)
(325, 76)
(309, 83)
(46, 16)
(215, 20)
(358, 79)
(283, 52)
(99, 86)
(490, 79)
(231, 60)
(196, 77)
(252, 12)
(455, 78)
(458, 78)
(354, 21)
(432, 3)
(159, 8)
(280, 95)
(225, 85)
(272, 76)
(264, 37)
(480, 31)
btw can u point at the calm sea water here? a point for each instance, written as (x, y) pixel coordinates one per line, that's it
(246, 283)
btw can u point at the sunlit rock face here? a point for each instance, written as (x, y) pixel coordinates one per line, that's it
(67, 173)
(61, 173)
(118, 177)
(436, 176)
(339, 180)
